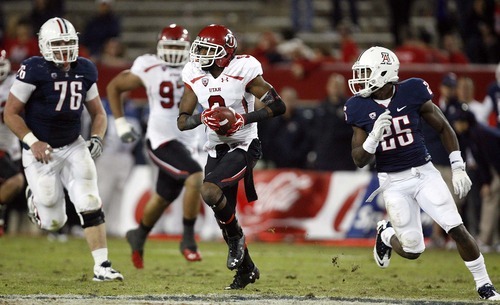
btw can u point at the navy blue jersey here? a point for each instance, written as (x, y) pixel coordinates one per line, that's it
(403, 145)
(54, 109)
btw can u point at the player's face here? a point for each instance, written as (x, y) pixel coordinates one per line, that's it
(363, 74)
(206, 51)
(62, 54)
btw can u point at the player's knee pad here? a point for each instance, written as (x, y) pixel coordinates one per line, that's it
(53, 223)
(211, 194)
(217, 205)
(412, 242)
(88, 202)
(92, 219)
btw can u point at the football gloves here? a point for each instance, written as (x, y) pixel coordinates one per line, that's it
(377, 133)
(209, 120)
(240, 122)
(125, 130)
(382, 122)
(95, 146)
(461, 181)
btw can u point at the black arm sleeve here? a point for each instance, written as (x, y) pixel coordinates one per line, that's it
(257, 116)
(273, 102)
(192, 121)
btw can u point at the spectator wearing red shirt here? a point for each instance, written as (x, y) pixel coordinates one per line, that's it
(22, 44)
(266, 51)
(348, 46)
(419, 49)
(451, 48)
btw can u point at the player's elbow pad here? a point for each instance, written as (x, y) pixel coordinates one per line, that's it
(272, 100)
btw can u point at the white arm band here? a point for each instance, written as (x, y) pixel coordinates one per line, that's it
(456, 160)
(30, 139)
(370, 144)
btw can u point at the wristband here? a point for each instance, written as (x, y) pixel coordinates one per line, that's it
(370, 144)
(456, 160)
(30, 139)
(120, 121)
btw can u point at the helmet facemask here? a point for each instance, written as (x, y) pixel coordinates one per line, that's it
(204, 54)
(173, 52)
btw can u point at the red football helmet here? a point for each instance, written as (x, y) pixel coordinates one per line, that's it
(219, 43)
(173, 45)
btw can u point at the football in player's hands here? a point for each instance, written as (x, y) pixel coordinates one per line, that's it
(226, 118)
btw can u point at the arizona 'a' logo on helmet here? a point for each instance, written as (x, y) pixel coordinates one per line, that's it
(386, 59)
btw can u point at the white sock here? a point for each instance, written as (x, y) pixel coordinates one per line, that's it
(100, 256)
(478, 269)
(386, 236)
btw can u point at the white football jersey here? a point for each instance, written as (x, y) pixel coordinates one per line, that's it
(8, 141)
(229, 90)
(164, 88)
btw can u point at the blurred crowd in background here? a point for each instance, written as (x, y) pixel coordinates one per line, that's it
(314, 136)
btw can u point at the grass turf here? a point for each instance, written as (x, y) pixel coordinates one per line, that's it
(34, 265)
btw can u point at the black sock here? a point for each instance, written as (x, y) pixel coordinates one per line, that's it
(188, 233)
(228, 220)
(143, 229)
(247, 264)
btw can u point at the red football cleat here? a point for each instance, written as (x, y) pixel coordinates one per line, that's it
(191, 256)
(137, 259)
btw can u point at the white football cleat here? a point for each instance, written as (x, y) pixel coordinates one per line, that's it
(488, 292)
(104, 272)
(381, 252)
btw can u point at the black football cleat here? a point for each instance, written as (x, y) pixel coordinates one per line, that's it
(244, 277)
(236, 252)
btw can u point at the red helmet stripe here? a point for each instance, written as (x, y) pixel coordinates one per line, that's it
(61, 23)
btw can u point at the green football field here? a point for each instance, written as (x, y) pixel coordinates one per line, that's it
(33, 268)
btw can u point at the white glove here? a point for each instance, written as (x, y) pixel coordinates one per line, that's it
(95, 146)
(125, 130)
(377, 133)
(382, 122)
(461, 181)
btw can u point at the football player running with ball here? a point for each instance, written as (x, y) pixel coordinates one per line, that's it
(170, 149)
(385, 116)
(214, 77)
(51, 91)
